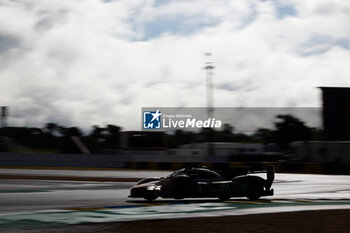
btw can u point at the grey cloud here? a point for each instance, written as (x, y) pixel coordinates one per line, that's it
(77, 72)
(8, 42)
(49, 19)
(237, 86)
(318, 44)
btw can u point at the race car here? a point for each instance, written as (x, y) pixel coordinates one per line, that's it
(201, 182)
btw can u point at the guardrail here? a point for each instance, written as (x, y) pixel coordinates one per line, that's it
(97, 161)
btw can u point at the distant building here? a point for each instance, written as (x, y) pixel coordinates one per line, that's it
(336, 113)
(221, 148)
(321, 151)
(230, 151)
(143, 142)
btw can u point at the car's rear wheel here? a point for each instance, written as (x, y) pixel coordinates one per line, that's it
(255, 190)
(224, 197)
(251, 187)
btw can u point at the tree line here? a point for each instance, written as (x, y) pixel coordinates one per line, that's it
(55, 138)
(287, 128)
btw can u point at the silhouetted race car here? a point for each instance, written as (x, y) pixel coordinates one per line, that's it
(196, 182)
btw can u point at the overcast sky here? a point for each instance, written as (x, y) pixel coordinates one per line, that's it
(80, 63)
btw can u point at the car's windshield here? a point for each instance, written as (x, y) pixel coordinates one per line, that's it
(199, 173)
(178, 172)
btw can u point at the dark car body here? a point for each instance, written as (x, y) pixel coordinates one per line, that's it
(197, 182)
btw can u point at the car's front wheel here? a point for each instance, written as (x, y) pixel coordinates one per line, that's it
(150, 196)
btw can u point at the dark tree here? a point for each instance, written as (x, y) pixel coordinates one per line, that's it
(104, 139)
(112, 136)
(226, 134)
(68, 146)
(290, 128)
(264, 135)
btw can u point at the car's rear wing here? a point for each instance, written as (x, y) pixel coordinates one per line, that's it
(270, 176)
(231, 172)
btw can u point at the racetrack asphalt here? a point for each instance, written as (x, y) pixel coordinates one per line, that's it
(70, 202)
(321, 221)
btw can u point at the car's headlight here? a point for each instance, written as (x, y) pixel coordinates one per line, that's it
(153, 187)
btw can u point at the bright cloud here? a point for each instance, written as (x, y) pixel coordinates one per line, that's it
(96, 62)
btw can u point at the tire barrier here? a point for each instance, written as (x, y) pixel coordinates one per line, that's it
(97, 161)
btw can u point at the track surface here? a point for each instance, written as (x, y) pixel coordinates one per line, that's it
(43, 202)
(321, 221)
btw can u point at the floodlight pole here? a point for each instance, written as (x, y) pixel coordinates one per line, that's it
(209, 67)
(209, 73)
(3, 116)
